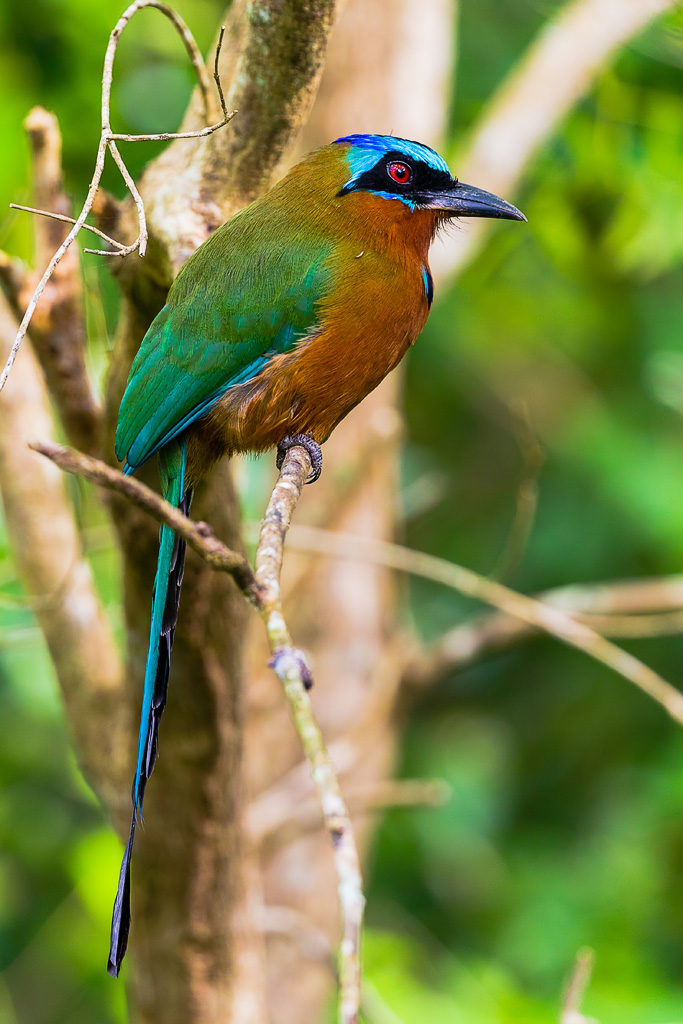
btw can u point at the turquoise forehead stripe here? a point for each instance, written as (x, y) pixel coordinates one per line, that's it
(365, 150)
(406, 200)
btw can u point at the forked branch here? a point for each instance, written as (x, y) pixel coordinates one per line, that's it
(108, 140)
(548, 619)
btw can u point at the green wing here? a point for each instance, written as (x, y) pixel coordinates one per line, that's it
(249, 292)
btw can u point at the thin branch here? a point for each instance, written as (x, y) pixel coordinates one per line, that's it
(625, 608)
(217, 73)
(108, 143)
(636, 627)
(291, 668)
(277, 822)
(576, 989)
(50, 561)
(193, 52)
(198, 535)
(140, 242)
(203, 132)
(542, 616)
(167, 136)
(66, 220)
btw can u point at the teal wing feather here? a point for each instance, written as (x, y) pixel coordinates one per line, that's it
(250, 292)
(169, 575)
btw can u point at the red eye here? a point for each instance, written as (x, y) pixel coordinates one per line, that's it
(399, 172)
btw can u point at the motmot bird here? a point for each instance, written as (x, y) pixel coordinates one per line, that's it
(274, 329)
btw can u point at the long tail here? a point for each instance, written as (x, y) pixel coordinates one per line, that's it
(169, 578)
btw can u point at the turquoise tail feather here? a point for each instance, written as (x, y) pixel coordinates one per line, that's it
(167, 583)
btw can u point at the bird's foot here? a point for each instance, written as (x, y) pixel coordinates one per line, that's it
(311, 446)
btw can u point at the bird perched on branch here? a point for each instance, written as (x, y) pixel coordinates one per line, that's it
(275, 328)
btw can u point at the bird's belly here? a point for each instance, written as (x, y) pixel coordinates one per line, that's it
(313, 387)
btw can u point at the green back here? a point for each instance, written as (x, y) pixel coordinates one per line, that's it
(249, 292)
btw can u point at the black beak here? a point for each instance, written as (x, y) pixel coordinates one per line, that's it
(462, 200)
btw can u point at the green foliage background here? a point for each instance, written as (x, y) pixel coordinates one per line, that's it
(565, 827)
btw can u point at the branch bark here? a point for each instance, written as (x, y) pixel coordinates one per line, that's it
(58, 328)
(198, 535)
(51, 564)
(291, 668)
(273, 58)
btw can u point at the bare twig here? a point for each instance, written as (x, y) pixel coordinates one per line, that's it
(625, 608)
(67, 220)
(203, 132)
(275, 822)
(58, 331)
(49, 558)
(542, 616)
(290, 666)
(576, 988)
(107, 143)
(199, 536)
(636, 627)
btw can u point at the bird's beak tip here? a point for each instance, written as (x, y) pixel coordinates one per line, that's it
(469, 201)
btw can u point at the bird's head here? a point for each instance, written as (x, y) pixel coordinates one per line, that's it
(413, 174)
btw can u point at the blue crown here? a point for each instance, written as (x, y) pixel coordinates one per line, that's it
(366, 150)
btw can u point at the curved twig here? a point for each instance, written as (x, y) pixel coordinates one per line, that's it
(108, 143)
(199, 536)
(552, 620)
(67, 220)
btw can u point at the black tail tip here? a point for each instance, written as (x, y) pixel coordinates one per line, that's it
(120, 923)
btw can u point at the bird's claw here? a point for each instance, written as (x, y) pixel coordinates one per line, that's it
(311, 446)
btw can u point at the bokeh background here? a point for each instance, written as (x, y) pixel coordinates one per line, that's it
(554, 368)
